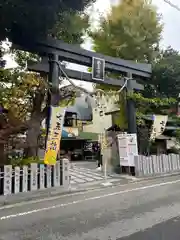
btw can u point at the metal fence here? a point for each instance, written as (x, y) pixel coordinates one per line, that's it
(31, 178)
(154, 165)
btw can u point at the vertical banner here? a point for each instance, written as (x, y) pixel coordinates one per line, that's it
(54, 135)
(158, 126)
(7, 179)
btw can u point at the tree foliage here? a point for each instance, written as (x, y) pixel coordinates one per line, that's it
(24, 96)
(132, 30)
(37, 18)
(166, 73)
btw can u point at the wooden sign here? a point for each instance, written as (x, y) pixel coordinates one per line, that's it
(98, 69)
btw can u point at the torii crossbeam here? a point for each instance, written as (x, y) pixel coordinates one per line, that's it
(57, 51)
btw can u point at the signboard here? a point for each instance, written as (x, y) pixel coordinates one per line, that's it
(88, 146)
(98, 69)
(132, 148)
(128, 149)
(70, 132)
(54, 135)
(159, 125)
(123, 149)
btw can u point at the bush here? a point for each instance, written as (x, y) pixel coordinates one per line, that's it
(20, 161)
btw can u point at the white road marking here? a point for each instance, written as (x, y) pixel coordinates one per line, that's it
(88, 199)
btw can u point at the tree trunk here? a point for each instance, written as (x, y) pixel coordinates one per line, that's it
(34, 129)
(32, 139)
(3, 159)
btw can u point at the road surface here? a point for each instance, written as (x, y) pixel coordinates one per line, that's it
(137, 211)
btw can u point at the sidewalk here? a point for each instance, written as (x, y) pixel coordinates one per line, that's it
(83, 177)
(56, 191)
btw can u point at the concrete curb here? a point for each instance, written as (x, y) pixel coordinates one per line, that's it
(156, 177)
(60, 191)
(53, 192)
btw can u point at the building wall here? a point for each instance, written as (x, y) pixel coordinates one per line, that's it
(99, 123)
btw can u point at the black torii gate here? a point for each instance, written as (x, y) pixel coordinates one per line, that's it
(57, 51)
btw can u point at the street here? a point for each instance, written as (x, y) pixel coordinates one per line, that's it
(135, 211)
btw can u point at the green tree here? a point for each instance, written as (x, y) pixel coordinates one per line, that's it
(24, 94)
(166, 74)
(38, 18)
(132, 31)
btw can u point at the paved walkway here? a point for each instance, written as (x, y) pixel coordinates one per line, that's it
(84, 175)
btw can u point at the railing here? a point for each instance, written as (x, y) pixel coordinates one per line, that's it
(31, 178)
(157, 165)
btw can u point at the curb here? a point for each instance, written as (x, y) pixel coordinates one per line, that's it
(138, 179)
(23, 198)
(46, 194)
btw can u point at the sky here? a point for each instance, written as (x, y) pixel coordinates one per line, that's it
(170, 36)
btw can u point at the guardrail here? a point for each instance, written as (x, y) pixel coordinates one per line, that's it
(157, 165)
(34, 177)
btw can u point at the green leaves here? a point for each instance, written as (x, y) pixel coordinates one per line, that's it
(130, 31)
(166, 73)
(37, 18)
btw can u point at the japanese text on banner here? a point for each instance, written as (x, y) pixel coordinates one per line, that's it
(159, 125)
(54, 135)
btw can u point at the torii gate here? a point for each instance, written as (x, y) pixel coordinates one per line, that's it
(57, 51)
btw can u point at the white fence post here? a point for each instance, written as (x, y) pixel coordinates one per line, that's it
(65, 172)
(137, 167)
(157, 165)
(25, 179)
(148, 163)
(178, 162)
(41, 176)
(48, 176)
(7, 179)
(141, 165)
(33, 177)
(56, 174)
(16, 179)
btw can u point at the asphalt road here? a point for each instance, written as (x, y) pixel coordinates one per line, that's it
(140, 211)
